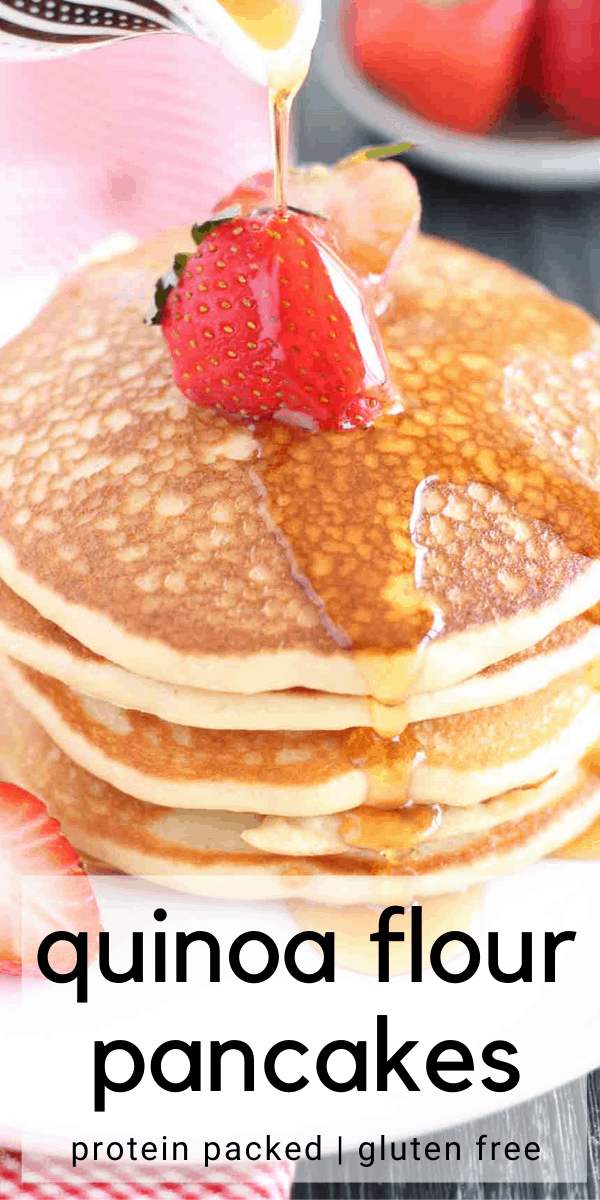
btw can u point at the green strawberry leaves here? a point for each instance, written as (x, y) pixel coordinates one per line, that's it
(199, 232)
(166, 283)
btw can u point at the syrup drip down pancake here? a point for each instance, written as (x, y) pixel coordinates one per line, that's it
(206, 854)
(272, 653)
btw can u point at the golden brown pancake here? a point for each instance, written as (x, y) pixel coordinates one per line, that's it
(562, 651)
(391, 831)
(158, 536)
(207, 627)
(28, 637)
(203, 852)
(459, 760)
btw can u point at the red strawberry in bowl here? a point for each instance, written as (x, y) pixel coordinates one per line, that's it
(264, 321)
(570, 58)
(57, 894)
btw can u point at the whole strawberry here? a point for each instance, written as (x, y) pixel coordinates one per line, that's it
(264, 321)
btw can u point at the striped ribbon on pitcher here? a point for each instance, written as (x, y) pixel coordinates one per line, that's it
(256, 35)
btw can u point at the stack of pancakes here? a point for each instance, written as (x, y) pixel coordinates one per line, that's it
(361, 663)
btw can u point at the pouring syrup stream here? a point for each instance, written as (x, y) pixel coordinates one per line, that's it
(273, 27)
(280, 104)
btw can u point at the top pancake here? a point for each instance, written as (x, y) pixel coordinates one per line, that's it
(195, 552)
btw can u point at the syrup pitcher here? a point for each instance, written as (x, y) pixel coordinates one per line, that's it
(270, 40)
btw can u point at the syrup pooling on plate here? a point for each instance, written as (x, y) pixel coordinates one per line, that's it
(495, 445)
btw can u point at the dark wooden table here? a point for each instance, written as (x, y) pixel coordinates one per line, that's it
(554, 236)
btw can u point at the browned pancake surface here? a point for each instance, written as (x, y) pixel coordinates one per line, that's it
(16, 614)
(114, 494)
(162, 750)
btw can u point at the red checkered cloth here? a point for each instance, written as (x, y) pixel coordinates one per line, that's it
(271, 1181)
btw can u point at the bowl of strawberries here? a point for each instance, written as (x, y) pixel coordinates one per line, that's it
(499, 91)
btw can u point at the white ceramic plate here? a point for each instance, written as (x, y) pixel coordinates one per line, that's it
(495, 159)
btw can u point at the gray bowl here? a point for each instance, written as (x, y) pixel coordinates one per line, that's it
(530, 159)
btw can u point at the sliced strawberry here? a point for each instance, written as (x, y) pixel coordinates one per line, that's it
(265, 320)
(374, 207)
(40, 877)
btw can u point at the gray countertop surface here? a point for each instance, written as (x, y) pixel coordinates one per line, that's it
(554, 236)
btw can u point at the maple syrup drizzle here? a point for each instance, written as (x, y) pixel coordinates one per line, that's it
(363, 512)
(379, 466)
(389, 831)
(280, 104)
(272, 26)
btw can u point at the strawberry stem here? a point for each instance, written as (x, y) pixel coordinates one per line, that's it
(361, 156)
(389, 151)
(305, 212)
(164, 285)
(199, 232)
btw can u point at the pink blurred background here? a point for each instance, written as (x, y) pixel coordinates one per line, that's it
(133, 137)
